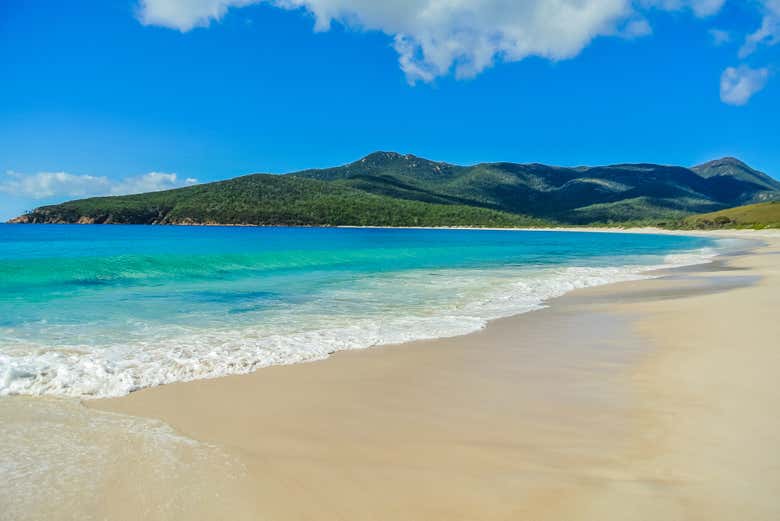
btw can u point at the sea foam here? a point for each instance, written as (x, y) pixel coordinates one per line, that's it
(310, 331)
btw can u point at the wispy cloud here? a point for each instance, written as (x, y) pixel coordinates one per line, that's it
(150, 182)
(738, 84)
(699, 7)
(719, 36)
(769, 31)
(637, 28)
(50, 185)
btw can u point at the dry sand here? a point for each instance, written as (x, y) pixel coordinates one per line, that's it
(651, 400)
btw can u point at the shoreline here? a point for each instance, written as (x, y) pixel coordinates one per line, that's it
(342, 418)
(553, 286)
(562, 228)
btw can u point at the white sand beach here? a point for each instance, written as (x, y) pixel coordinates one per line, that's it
(642, 400)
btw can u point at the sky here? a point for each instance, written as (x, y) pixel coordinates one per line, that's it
(102, 97)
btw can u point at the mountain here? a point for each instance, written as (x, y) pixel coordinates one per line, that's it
(730, 167)
(391, 189)
(574, 195)
(761, 215)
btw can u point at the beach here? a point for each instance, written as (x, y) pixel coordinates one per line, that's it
(648, 399)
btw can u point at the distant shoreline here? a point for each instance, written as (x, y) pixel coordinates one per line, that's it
(584, 228)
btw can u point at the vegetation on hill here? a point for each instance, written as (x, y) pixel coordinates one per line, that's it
(390, 189)
(271, 200)
(761, 215)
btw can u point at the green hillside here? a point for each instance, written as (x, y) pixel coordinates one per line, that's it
(270, 200)
(761, 215)
(390, 189)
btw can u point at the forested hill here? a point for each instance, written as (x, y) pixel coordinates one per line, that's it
(263, 199)
(390, 189)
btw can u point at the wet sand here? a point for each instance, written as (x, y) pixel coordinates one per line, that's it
(645, 400)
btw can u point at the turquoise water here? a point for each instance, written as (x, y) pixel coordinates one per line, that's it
(104, 310)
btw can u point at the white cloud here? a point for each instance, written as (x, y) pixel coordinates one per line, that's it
(44, 185)
(769, 31)
(738, 84)
(185, 15)
(48, 185)
(436, 37)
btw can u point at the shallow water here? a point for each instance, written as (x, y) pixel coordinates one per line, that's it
(60, 460)
(95, 311)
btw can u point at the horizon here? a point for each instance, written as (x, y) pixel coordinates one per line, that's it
(147, 95)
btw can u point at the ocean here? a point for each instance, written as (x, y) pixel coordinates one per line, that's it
(98, 311)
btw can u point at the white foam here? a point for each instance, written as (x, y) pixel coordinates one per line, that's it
(477, 296)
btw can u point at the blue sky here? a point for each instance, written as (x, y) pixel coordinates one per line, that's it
(115, 97)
